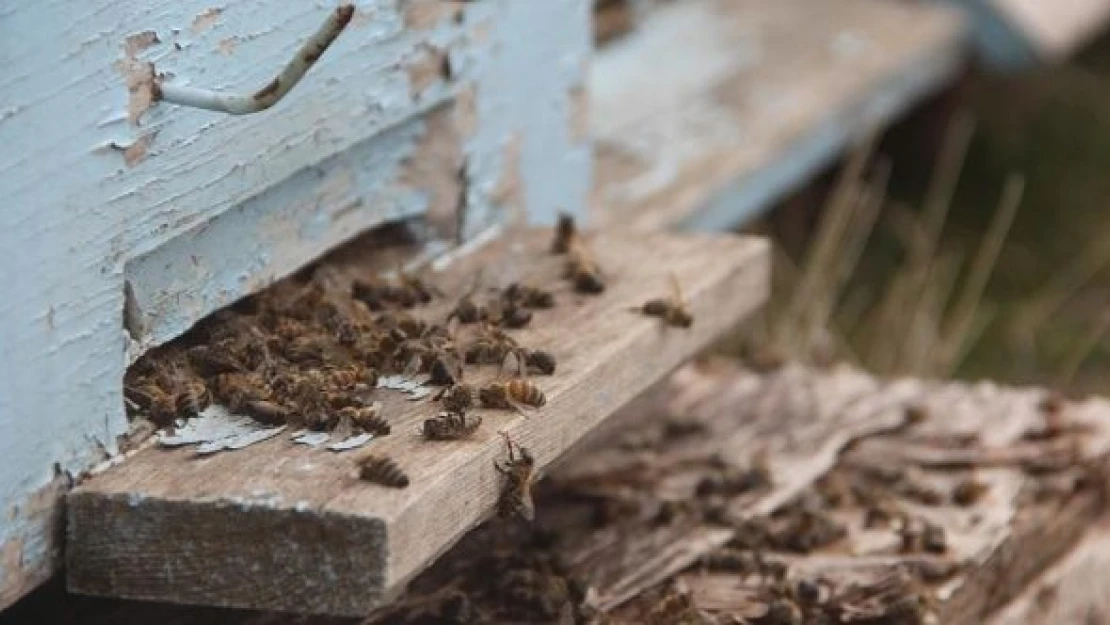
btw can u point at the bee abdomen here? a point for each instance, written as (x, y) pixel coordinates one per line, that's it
(526, 393)
(382, 470)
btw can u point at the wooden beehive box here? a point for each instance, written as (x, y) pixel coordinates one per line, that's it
(127, 219)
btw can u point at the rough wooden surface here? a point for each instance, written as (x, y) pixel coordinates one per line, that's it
(600, 511)
(278, 527)
(1073, 591)
(711, 109)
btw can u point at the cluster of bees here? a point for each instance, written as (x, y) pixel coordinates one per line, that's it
(308, 354)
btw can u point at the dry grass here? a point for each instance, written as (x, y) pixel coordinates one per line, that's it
(927, 313)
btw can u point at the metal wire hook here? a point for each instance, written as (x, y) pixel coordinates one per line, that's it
(283, 83)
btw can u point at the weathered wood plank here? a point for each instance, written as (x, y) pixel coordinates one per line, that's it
(1034, 508)
(1012, 34)
(277, 527)
(1072, 591)
(711, 109)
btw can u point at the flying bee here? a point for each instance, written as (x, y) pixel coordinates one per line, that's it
(456, 398)
(450, 426)
(672, 310)
(381, 470)
(528, 296)
(565, 233)
(520, 474)
(583, 271)
(511, 395)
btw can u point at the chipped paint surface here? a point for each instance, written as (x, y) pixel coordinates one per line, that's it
(197, 208)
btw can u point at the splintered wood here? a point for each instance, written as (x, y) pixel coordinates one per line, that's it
(793, 497)
(287, 527)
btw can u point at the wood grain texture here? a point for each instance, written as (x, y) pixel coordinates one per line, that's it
(711, 109)
(996, 545)
(278, 527)
(1072, 591)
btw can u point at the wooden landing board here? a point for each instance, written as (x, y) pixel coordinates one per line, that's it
(279, 527)
(1073, 591)
(712, 109)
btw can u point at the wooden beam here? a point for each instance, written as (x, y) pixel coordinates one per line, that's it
(711, 109)
(280, 527)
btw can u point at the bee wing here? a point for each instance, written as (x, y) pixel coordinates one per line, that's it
(676, 289)
(525, 507)
(413, 366)
(515, 357)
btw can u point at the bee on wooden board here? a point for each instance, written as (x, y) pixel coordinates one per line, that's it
(457, 397)
(520, 474)
(451, 426)
(583, 271)
(366, 418)
(491, 347)
(514, 394)
(381, 470)
(565, 232)
(528, 296)
(672, 310)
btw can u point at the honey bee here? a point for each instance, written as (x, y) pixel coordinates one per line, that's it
(969, 491)
(583, 271)
(513, 316)
(511, 395)
(405, 291)
(457, 398)
(469, 311)
(212, 360)
(528, 296)
(265, 411)
(674, 608)
(671, 310)
(451, 426)
(366, 418)
(520, 474)
(446, 369)
(565, 232)
(149, 398)
(310, 350)
(381, 470)
(540, 360)
(352, 378)
(192, 398)
(491, 347)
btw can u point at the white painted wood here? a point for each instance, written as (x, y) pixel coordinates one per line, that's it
(194, 209)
